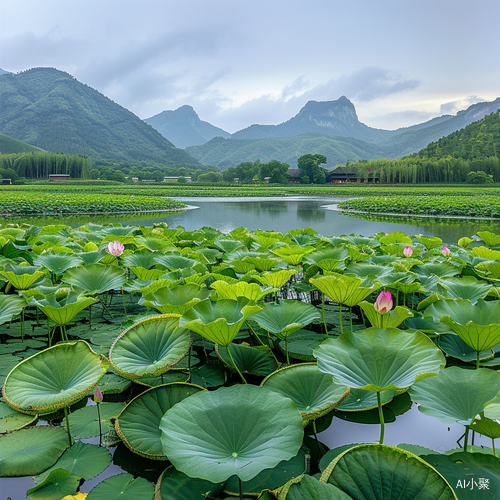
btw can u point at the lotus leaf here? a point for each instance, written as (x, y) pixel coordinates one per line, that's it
(312, 391)
(138, 425)
(378, 360)
(11, 420)
(456, 395)
(218, 321)
(251, 291)
(239, 430)
(175, 485)
(21, 277)
(360, 400)
(253, 360)
(374, 471)
(430, 242)
(455, 347)
(177, 299)
(478, 325)
(28, 452)
(122, 487)
(54, 378)
(302, 343)
(58, 263)
(92, 256)
(441, 269)
(81, 459)
(63, 311)
(10, 305)
(150, 347)
(348, 290)
(276, 279)
(309, 488)
(467, 287)
(292, 254)
(59, 484)
(285, 317)
(95, 278)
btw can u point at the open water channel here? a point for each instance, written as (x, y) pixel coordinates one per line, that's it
(284, 214)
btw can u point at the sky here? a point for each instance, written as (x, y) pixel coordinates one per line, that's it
(239, 62)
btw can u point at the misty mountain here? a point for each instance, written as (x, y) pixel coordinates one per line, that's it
(3, 72)
(318, 122)
(10, 146)
(337, 118)
(52, 110)
(184, 128)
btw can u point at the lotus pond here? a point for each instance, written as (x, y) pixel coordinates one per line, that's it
(205, 364)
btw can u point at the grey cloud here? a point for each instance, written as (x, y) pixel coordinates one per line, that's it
(453, 107)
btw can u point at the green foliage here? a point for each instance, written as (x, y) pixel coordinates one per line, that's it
(9, 146)
(310, 170)
(479, 177)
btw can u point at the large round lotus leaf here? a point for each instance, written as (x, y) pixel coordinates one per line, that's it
(256, 360)
(95, 278)
(270, 479)
(28, 452)
(84, 423)
(10, 305)
(286, 317)
(83, 460)
(218, 321)
(348, 290)
(122, 487)
(58, 485)
(10, 419)
(474, 476)
(456, 395)
(379, 472)
(301, 344)
(239, 430)
(478, 325)
(440, 269)
(360, 400)
(251, 291)
(175, 485)
(467, 287)
(58, 263)
(138, 425)
(177, 299)
(455, 347)
(150, 347)
(312, 391)
(377, 360)
(309, 488)
(54, 378)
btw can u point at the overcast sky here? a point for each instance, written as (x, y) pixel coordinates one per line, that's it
(239, 62)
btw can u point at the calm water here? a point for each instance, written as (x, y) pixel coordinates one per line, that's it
(283, 214)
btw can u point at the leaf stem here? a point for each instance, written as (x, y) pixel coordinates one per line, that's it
(67, 425)
(381, 417)
(234, 364)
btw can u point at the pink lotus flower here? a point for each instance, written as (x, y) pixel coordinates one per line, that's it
(115, 248)
(407, 251)
(98, 397)
(383, 304)
(446, 251)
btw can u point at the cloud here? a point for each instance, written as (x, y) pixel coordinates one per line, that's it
(453, 107)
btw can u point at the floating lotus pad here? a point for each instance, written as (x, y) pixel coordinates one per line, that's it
(138, 425)
(150, 347)
(312, 391)
(239, 430)
(377, 472)
(28, 452)
(54, 378)
(122, 487)
(11, 420)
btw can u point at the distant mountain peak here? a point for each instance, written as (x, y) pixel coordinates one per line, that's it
(3, 72)
(184, 128)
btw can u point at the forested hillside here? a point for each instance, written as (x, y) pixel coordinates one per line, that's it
(8, 145)
(54, 111)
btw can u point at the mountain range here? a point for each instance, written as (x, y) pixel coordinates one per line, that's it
(52, 110)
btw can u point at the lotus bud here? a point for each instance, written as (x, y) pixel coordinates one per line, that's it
(383, 304)
(407, 251)
(446, 251)
(98, 397)
(115, 248)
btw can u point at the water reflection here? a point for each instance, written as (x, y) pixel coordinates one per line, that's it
(283, 214)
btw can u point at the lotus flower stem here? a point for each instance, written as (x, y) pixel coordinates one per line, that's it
(340, 319)
(493, 446)
(381, 417)
(100, 425)
(67, 425)
(241, 488)
(124, 306)
(466, 440)
(323, 312)
(286, 349)
(234, 365)
(105, 307)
